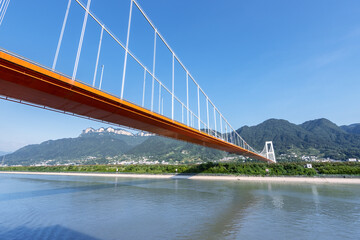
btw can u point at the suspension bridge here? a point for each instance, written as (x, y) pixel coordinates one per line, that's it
(179, 110)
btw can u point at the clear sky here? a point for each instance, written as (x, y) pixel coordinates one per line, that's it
(294, 60)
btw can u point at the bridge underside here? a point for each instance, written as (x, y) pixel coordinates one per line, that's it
(32, 83)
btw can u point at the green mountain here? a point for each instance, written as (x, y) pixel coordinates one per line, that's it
(321, 134)
(169, 149)
(281, 132)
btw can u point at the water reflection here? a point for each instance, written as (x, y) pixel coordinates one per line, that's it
(227, 218)
(106, 208)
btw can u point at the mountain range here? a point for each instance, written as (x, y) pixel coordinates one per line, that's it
(330, 140)
(319, 137)
(109, 145)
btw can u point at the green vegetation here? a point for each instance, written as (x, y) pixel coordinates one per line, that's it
(338, 168)
(253, 169)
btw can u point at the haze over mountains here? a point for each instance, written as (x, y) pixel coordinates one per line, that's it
(318, 137)
(3, 153)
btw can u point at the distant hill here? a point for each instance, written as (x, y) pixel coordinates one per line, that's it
(66, 149)
(119, 134)
(3, 153)
(320, 134)
(353, 128)
(111, 145)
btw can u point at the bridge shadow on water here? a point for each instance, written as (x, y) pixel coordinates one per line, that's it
(50, 232)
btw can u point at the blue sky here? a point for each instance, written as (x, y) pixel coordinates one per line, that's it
(294, 60)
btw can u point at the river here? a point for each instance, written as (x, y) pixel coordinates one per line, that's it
(82, 207)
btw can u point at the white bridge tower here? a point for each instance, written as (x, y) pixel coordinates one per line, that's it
(268, 151)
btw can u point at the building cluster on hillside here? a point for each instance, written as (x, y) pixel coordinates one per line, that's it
(143, 162)
(311, 158)
(150, 160)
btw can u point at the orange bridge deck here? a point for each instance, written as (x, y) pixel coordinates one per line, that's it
(32, 83)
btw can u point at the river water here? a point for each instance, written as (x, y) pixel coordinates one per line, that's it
(78, 207)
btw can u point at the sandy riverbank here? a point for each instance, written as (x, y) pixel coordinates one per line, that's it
(204, 177)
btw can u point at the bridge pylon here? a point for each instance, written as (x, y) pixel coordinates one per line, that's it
(268, 151)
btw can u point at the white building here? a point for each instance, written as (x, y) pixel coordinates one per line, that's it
(308, 165)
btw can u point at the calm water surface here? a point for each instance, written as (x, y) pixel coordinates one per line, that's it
(72, 207)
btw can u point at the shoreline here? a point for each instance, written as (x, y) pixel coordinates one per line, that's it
(332, 180)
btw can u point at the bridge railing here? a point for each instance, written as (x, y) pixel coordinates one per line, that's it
(118, 71)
